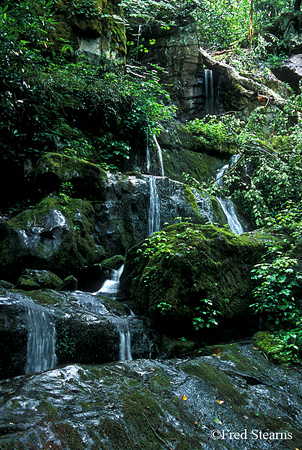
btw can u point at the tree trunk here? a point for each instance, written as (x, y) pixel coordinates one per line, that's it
(251, 22)
(297, 5)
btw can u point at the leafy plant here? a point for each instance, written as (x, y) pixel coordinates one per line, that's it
(205, 315)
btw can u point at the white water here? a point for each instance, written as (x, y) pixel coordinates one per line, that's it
(125, 341)
(209, 91)
(160, 156)
(138, 39)
(110, 289)
(111, 286)
(231, 216)
(154, 209)
(41, 342)
(222, 171)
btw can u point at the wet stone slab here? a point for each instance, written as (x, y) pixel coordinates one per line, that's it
(228, 399)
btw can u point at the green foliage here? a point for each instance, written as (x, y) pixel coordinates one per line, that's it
(278, 283)
(205, 315)
(85, 9)
(274, 294)
(215, 132)
(222, 22)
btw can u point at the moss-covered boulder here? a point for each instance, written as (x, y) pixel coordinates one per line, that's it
(195, 275)
(38, 279)
(56, 235)
(77, 178)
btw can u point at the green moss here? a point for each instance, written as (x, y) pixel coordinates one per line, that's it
(114, 262)
(72, 250)
(50, 410)
(116, 435)
(191, 199)
(270, 345)
(69, 436)
(185, 264)
(218, 380)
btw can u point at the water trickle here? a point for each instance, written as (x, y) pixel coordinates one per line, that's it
(138, 39)
(154, 209)
(125, 340)
(222, 171)
(209, 91)
(160, 156)
(41, 342)
(229, 210)
(111, 286)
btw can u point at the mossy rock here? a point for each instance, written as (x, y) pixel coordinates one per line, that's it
(38, 279)
(115, 262)
(93, 19)
(56, 235)
(168, 275)
(183, 158)
(270, 345)
(56, 173)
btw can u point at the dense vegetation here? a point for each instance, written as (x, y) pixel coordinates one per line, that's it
(53, 100)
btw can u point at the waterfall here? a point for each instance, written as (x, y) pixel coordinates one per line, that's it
(222, 171)
(229, 210)
(125, 341)
(111, 286)
(209, 91)
(154, 209)
(110, 289)
(138, 38)
(160, 156)
(41, 340)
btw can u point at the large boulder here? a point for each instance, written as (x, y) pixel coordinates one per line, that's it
(73, 176)
(44, 328)
(38, 279)
(186, 273)
(55, 235)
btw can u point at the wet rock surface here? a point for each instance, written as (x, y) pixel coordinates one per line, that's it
(176, 404)
(86, 329)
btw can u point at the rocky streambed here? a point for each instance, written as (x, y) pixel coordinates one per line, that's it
(231, 397)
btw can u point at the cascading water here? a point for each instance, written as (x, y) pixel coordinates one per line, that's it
(209, 91)
(222, 171)
(154, 209)
(160, 156)
(125, 341)
(138, 38)
(111, 286)
(230, 213)
(110, 289)
(41, 342)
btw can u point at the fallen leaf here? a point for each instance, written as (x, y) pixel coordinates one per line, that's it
(221, 402)
(184, 397)
(217, 352)
(217, 421)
